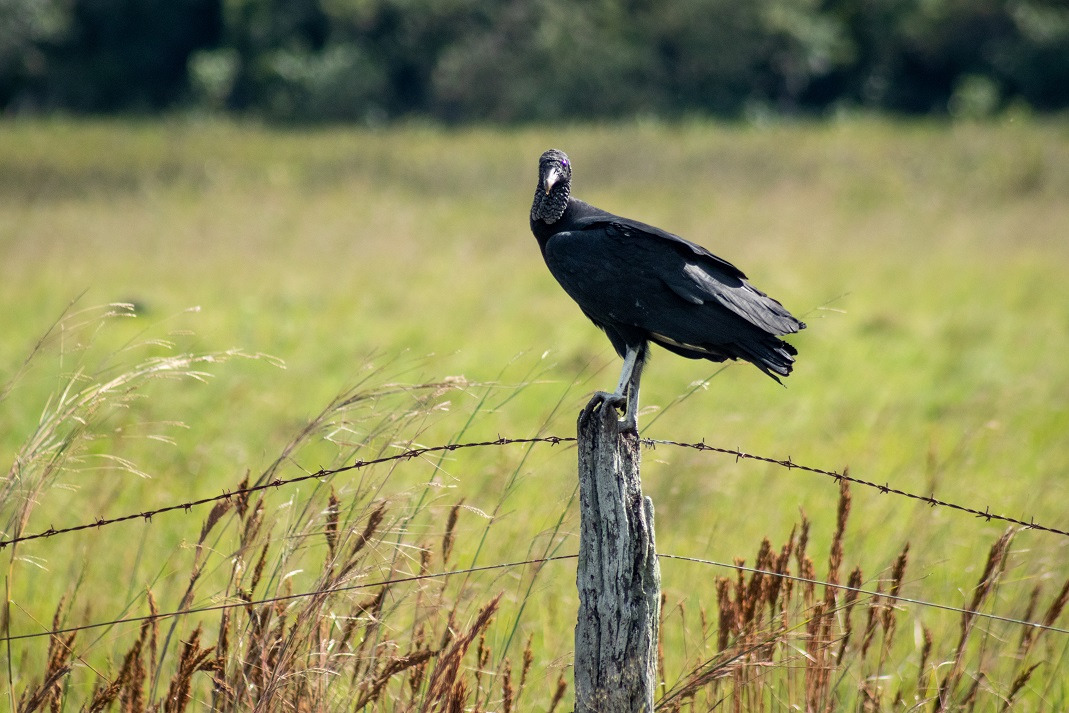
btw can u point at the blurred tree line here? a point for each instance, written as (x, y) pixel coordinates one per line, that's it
(518, 60)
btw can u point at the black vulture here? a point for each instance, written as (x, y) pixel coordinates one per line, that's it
(641, 284)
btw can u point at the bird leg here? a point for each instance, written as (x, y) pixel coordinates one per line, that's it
(630, 422)
(626, 391)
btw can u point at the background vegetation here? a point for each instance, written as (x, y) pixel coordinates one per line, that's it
(523, 61)
(395, 268)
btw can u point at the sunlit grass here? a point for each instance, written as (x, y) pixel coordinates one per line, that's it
(928, 260)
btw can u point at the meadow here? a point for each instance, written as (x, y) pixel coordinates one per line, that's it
(290, 300)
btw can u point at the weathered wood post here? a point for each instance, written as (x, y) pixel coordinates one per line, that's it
(619, 580)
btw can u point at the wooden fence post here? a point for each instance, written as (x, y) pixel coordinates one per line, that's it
(618, 577)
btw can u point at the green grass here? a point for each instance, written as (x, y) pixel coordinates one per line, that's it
(928, 259)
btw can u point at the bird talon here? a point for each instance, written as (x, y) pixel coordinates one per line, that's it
(610, 399)
(599, 399)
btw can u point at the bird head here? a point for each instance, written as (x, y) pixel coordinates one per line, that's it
(554, 186)
(554, 169)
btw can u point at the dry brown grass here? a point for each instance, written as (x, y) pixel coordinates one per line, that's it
(340, 599)
(411, 646)
(375, 629)
(784, 640)
(325, 601)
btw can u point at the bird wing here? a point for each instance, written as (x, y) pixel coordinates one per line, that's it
(701, 285)
(597, 217)
(686, 269)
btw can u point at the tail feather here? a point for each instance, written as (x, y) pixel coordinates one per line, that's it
(774, 357)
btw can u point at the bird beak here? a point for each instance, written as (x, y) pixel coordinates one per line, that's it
(551, 180)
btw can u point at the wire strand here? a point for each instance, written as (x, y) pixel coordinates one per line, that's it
(872, 593)
(276, 483)
(931, 500)
(885, 488)
(523, 563)
(281, 598)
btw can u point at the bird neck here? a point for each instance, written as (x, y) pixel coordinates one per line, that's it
(549, 208)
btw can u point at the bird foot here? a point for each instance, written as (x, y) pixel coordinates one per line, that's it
(601, 399)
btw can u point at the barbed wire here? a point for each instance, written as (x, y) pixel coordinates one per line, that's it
(885, 488)
(275, 484)
(523, 563)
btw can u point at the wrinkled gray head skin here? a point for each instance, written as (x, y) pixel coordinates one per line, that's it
(554, 186)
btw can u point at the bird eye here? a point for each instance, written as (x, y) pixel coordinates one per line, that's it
(564, 163)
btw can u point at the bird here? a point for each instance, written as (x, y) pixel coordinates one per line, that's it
(644, 285)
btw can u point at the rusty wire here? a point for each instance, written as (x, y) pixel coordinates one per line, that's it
(885, 488)
(410, 453)
(509, 565)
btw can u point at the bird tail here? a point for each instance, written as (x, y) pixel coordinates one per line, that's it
(773, 356)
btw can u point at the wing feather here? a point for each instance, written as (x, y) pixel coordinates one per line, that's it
(637, 281)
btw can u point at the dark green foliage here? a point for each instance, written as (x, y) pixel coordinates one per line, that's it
(524, 60)
(104, 55)
(914, 56)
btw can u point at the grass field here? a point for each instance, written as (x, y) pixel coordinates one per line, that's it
(929, 261)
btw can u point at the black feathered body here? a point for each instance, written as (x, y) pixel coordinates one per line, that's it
(641, 284)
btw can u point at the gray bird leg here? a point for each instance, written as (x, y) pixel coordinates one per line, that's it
(630, 360)
(626, 391)
(630, 422)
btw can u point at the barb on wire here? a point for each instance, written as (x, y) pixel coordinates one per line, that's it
(522, 563)
(884, 488)
(278, 483)
(788, 463)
